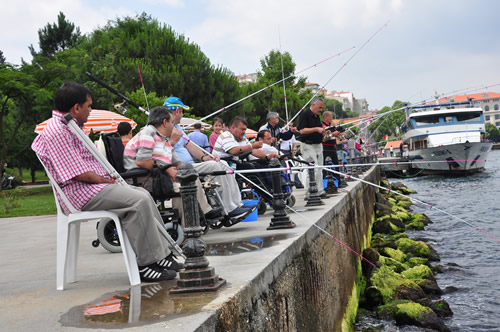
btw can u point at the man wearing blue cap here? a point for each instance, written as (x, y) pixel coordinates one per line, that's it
(189, 152)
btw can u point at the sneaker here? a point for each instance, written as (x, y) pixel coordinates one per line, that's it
(170, 263)
(240, 212)
(251, 207)
(213, 214)
(154, 273)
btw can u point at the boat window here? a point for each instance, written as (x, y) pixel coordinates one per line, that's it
(425, 120)
(448, 118)
(469, 117)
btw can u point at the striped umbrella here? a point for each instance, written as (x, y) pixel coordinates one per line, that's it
(99, 120)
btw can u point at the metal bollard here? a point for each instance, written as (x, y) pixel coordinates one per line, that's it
(314, 198)
(280, 219)
(331, 188)
(197, 275)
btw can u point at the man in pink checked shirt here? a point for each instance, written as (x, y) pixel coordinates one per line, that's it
(89, 187)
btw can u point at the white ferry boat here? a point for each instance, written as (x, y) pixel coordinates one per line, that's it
(450, 138)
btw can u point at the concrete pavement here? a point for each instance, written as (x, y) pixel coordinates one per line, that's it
(102, 297)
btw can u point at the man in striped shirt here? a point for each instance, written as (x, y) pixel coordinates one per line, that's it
(151, 146)
(89, 187)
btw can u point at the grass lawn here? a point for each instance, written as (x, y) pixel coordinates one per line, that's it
(23, 202)
(39, 175)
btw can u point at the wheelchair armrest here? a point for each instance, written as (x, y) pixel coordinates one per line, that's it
(135, 173)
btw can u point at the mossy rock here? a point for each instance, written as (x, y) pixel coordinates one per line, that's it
(388, 226)
(394, 254)
(386, 311)
(401, 213)
(394, 264)
(442, 308)
(430, 287)
(385, 284)
(404, 203)
(418, 315)
(409, 313)
(398, 236)
(413, 248)
(416, 225)
(401, 188)
(393, 201)
(385, 183)
(418, 273)
(421, 218)
(414, 261)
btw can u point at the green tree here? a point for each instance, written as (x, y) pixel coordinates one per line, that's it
(56, 37)
(3, 61)
(271, 99)
(389, 124)
(169, 62)
(492, 132)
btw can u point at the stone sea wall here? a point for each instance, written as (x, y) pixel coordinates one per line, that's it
(312, 285)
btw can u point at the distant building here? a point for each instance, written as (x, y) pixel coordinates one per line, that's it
(348, 100)
(314, 87)
(247, 78)
(488, 101)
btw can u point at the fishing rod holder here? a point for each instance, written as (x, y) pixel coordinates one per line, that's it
(280, 219)
(314, 199)
(197, 275)
(331, 188)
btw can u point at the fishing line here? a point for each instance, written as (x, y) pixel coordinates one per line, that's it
(414, 200)
(270, 195)
(265, 88)
(338, 71)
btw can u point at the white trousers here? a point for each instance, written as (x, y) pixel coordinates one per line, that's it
(313, 152)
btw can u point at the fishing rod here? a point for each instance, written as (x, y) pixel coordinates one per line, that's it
(283, 75)
(270, 195)
(413, 200)
(143, 89)
(91, 147)
(338, 71)
(267, 87)
(104, 85)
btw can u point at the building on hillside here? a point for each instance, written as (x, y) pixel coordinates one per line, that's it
(247, 78)
(314, 87)
(358, 105)
(488, 101)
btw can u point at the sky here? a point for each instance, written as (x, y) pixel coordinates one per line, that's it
(404, 50)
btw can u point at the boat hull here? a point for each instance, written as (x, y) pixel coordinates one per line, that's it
(454, 159)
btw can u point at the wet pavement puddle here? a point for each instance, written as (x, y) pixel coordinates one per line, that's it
(244, 245)
(140, 305)
(152, 303)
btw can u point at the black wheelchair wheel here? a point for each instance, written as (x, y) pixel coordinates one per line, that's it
(108, 236)
(262, 208)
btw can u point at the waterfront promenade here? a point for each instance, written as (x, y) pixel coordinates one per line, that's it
(261, 267)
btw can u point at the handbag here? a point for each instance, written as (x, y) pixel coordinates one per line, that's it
(163, 186)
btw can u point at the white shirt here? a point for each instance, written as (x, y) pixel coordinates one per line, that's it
(225, 142)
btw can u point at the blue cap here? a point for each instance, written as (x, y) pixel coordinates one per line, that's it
(173, 102)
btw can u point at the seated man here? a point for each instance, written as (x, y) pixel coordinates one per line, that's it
(270, 152)
(189, 152)
(151, 147)
(276, 131)
(233, 142)
(89, 187)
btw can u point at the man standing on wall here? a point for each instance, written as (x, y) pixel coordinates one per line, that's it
(311, 137)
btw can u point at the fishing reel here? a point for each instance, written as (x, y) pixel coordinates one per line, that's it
(120, 108)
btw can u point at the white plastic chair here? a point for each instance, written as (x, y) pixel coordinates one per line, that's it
(68, 239)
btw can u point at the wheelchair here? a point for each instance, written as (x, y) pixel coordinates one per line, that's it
(106, 230)
(262, 180)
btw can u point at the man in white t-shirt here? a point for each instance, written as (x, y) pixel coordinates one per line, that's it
(233, 142)
(270, 151)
